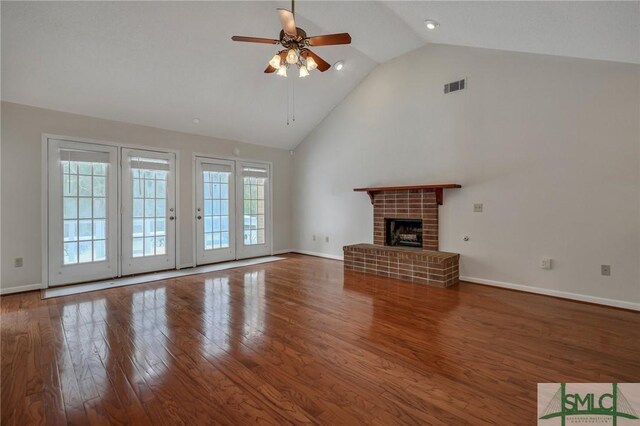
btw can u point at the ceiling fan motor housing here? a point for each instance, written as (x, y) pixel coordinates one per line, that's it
(292, 42)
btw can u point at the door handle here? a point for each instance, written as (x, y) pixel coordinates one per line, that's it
(171, 217)
(199, 217)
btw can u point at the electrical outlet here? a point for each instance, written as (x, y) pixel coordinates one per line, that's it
(605, 270)
(477, 208)
(326, 239)
(17, 262)
(545, 263)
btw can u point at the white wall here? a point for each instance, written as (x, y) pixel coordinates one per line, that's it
(22, 128)
(550, 145)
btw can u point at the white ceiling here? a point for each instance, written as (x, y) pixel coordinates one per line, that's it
(163, 63)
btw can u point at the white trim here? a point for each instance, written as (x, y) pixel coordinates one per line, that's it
(230, 158)
(44, 210)
(21, 288)
(176, 202)
(556, 293)
(46, 136)
(192, 214)
(317, 254)
(185, 266)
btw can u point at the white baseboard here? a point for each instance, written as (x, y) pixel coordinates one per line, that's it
(20, 288)
(317, 254)
(556, 293)
(276, 252)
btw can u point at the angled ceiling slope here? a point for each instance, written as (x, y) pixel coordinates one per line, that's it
(161, 64)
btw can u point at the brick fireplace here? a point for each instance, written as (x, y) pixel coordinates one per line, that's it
(406, 204)
(409, 249)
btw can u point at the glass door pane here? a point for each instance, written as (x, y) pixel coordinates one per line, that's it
(82, 212)
(215, 230)
(148, 211)
(254, 210)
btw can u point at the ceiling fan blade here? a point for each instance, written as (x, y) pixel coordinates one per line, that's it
(329, 39)
(288, 22)
(255, 40)
(269, 69)
(322, 64)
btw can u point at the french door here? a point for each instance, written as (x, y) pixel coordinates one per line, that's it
(83, 212)
(232, 210)
(215, 205)
(148, 211)
(111, 211)
(253, 210)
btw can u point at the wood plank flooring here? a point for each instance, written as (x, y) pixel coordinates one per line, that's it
(300, 341)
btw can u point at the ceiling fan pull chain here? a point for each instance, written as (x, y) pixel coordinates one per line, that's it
(293, 98)
(287, 84)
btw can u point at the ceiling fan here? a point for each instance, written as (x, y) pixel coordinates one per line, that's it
(296, 45)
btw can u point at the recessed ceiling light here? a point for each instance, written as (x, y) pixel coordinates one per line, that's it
(338, 65)
(431, 24)
(196, 120)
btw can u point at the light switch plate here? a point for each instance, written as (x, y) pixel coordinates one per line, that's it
(605, 270)
(477, 207)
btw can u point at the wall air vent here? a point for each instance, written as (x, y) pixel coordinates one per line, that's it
(455, 86)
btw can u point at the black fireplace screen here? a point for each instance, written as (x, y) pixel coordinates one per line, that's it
(403, 232)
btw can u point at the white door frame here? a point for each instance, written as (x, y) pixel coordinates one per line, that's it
(44, 193)
(193, 195)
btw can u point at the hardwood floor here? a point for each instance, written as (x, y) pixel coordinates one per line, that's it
(299, 341)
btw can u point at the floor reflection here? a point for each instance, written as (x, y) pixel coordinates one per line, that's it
(216, 313)
(430, 331)
(84, 325)
(254, 305)
(149, 325)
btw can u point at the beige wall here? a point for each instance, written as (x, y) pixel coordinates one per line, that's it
(22, 129)
(550, 145)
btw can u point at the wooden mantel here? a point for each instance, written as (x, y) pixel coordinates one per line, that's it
(436, 188)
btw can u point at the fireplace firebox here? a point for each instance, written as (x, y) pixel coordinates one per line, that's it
(403, 232)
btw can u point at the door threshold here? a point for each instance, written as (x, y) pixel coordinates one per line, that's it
(157, 276)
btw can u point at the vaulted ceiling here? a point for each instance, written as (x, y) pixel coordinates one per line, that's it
(163, 63)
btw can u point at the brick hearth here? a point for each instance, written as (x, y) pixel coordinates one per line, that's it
(421, 266)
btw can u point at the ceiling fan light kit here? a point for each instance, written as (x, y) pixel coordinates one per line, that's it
(275, 61)
(296, 46)
(282, 71)
(311, 64)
